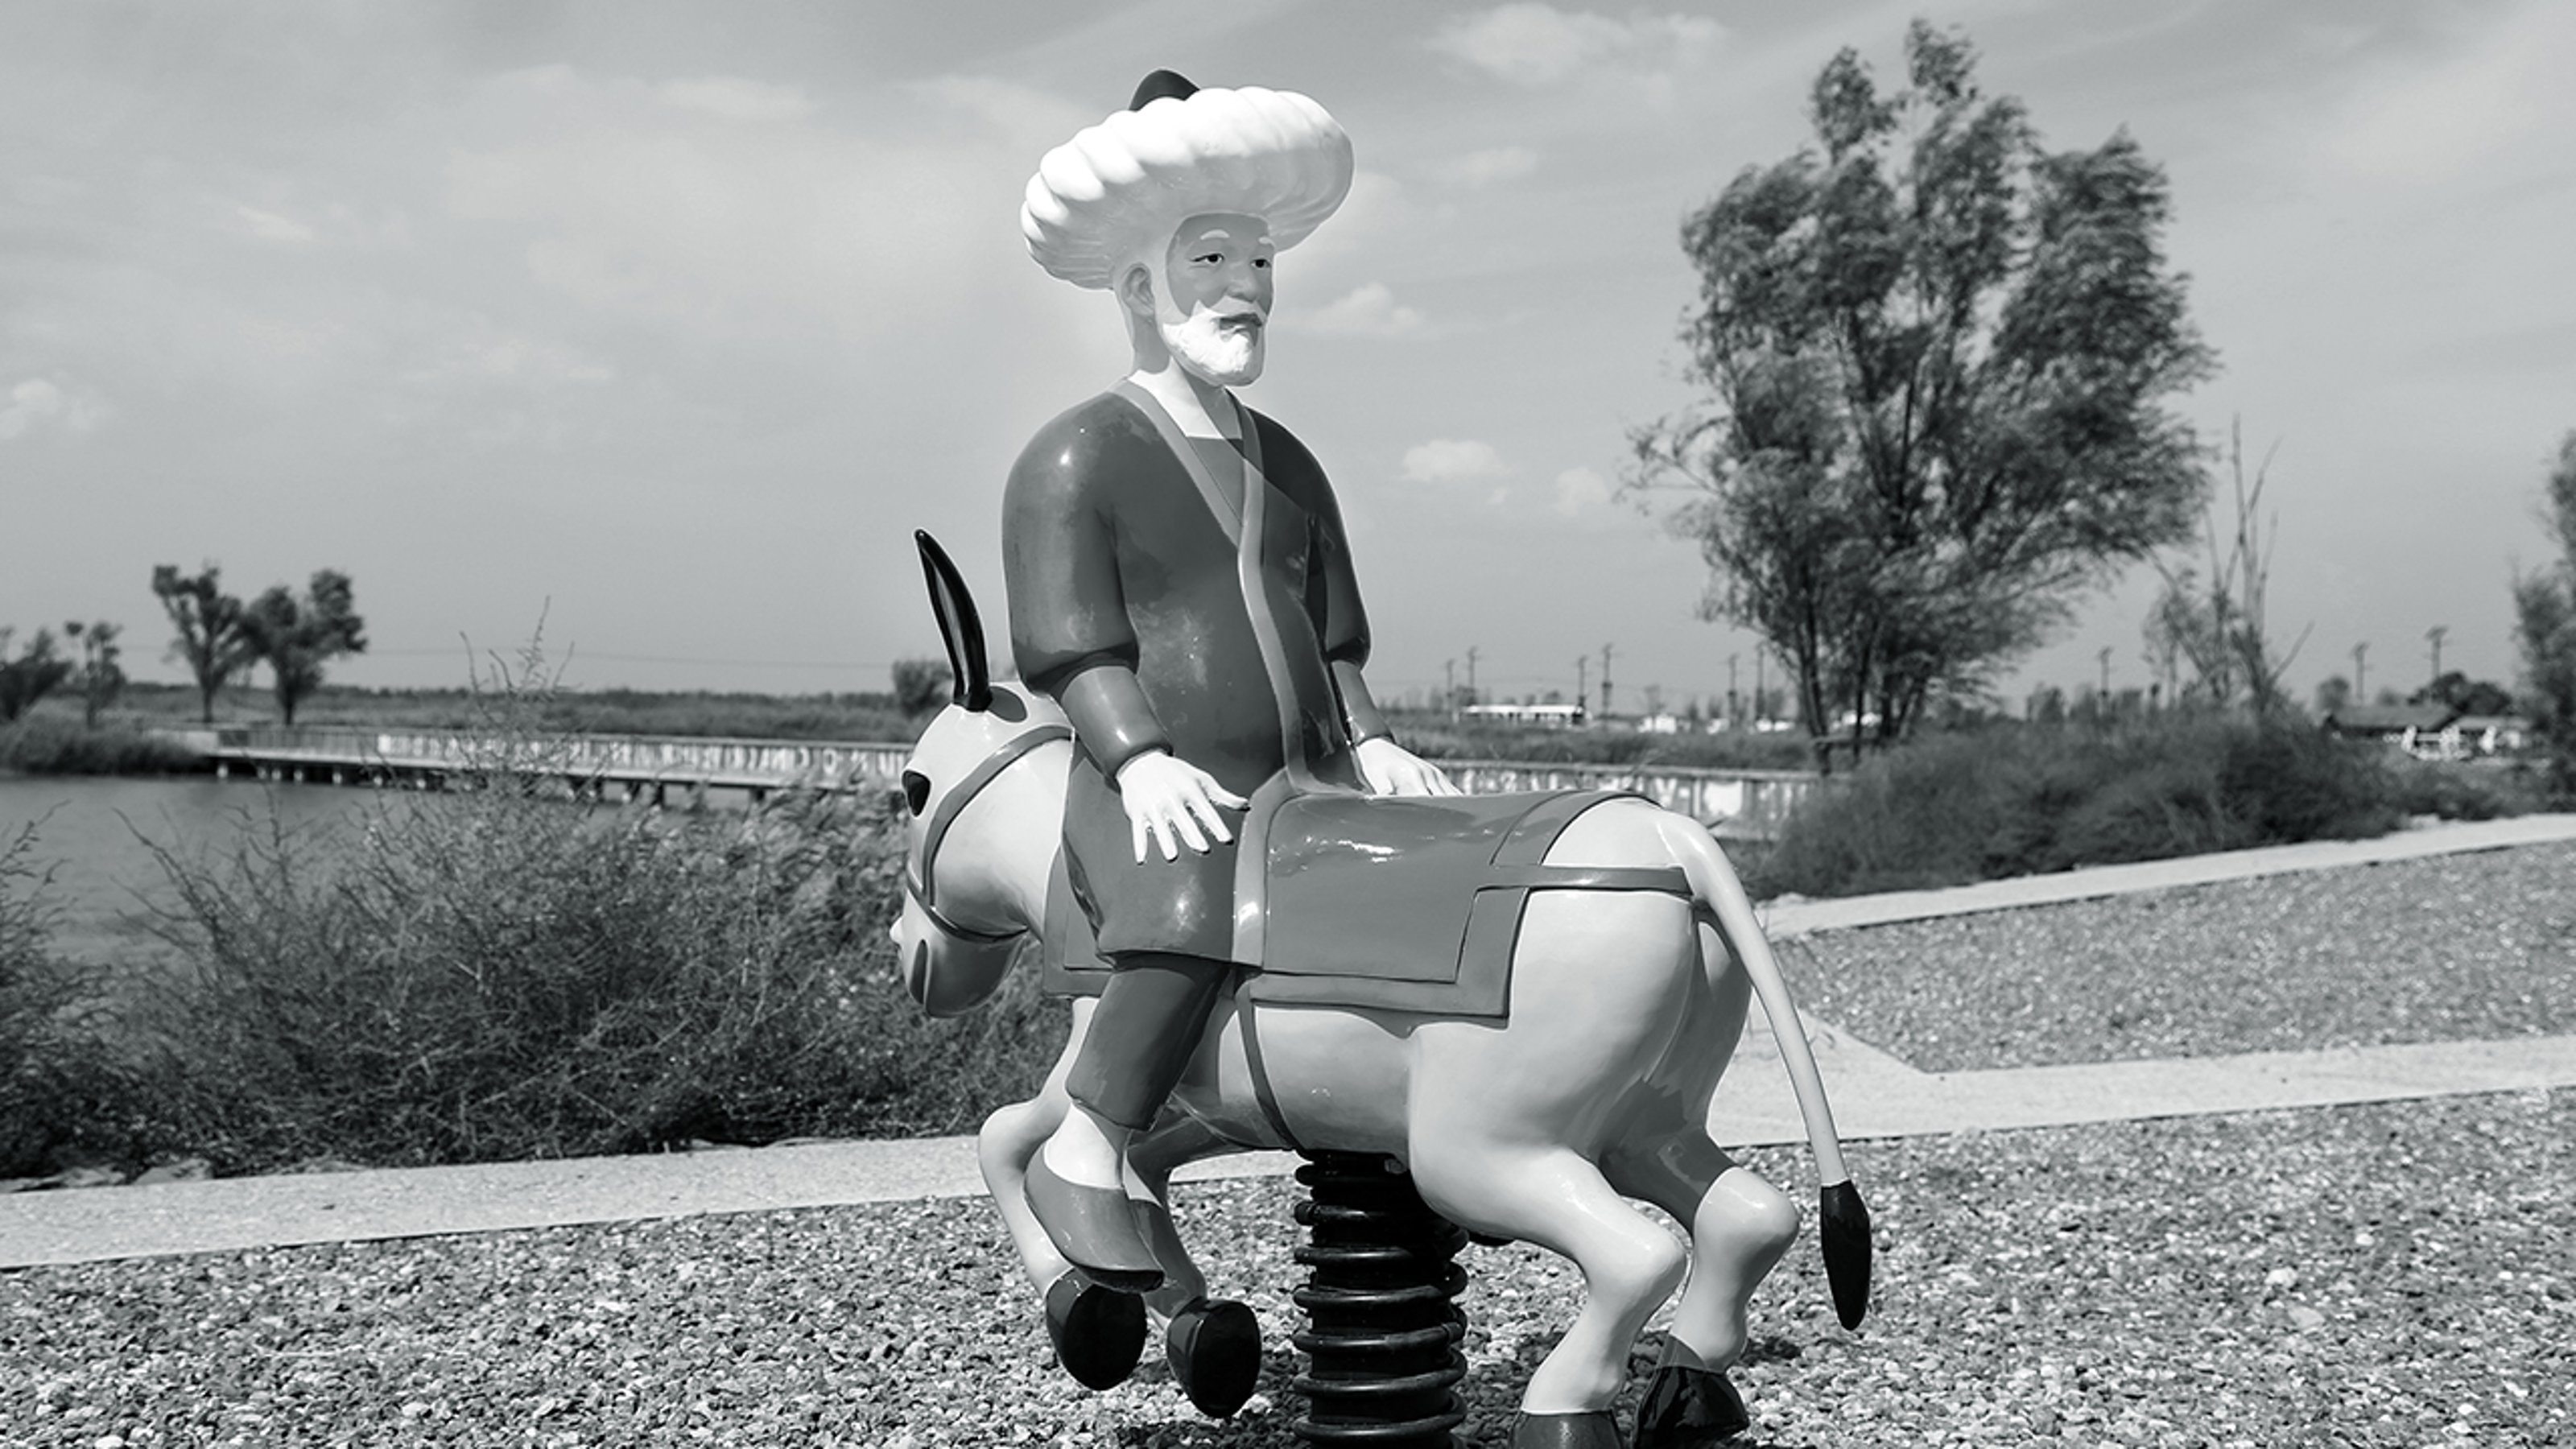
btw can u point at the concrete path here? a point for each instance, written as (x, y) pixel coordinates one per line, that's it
(1874, 1095)
(1799, 917)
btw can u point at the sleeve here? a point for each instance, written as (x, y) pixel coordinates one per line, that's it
(1069, 630)
(1345, 631)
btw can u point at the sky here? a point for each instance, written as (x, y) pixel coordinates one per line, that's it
(652, 331)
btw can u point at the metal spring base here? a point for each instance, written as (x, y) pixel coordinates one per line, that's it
(1382, 1330)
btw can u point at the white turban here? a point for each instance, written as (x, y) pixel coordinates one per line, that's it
(1116, 189)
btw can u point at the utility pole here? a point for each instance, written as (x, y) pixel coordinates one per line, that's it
(2435, 634)
(1761, 704)
(2106, 675)
(1471, 672)
(2360, 695)
(1732, 719)
(1582, 679)
(1605, 681)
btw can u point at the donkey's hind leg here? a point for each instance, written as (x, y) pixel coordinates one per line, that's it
(1739, 1225)
(1553, 1197)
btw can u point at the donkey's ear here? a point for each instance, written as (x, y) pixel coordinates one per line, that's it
(959, 627)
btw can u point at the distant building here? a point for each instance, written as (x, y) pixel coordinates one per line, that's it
(2390, 722)
(1552, 716)
(2491, 734)
(2432, 731)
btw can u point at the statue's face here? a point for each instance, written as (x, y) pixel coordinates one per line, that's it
(1216, 304)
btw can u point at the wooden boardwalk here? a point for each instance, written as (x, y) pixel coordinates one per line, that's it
(1738, 804)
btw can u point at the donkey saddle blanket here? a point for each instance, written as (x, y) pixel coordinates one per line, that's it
(1406, 904)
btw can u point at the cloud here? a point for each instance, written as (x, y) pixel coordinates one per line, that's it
(2465, 112)
(1498, 163)
(38, 401)
(629, 204)
(514, 361)
(1534, 44)
(1448, 460)
(1030, 120)
(1579, 489)
(732, 98)
(269, 226)
(1369, 310)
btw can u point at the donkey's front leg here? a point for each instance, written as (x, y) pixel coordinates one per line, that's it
(1213, 1345)
(1098, 1334)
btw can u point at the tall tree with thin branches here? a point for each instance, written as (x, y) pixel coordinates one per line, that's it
(1938, 360)
(209, 624)
(296, 637)
(2544, 605)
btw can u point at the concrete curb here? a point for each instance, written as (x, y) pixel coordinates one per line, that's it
(1802, 917)
(1874, 1095)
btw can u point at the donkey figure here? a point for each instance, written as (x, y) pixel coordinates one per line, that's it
(1594, 1088)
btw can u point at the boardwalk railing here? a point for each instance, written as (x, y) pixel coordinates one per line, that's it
(636, 762)
(1743, 804)
(1749, 804)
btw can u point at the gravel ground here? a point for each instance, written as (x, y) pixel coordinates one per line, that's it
(2451, 948)
(2398, 1274)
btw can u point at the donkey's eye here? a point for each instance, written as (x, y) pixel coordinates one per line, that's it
(916, 790)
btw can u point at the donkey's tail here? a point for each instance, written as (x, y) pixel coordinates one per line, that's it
(1843, 1219)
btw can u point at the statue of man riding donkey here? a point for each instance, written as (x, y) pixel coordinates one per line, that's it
(1480, 1017)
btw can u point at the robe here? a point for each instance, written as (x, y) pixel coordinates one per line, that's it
(1169, 606)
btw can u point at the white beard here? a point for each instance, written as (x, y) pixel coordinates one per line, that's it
(1227, 358)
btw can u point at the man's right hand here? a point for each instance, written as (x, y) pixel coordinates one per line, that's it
(1174, 802)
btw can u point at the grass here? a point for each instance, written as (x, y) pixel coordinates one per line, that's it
(53, 744)
(865, 717)
(500, 972)
(2010, 800)
(63, 1094)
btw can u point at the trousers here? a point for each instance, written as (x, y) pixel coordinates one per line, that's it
(1149, 1020)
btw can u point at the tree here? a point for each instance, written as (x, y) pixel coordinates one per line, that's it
(100, 679)
(921, 685)
(31, 676)
(2217, 624)
(2544, 605)
(295, 637)
(210, 640)
(2455, 690)
(2333, 693)
(1937, 359)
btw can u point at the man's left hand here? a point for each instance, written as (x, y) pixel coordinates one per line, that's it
(1391, 769)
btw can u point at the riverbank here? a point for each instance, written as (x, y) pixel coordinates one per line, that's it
(2034, 1284)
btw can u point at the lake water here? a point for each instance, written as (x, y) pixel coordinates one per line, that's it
(91, 833)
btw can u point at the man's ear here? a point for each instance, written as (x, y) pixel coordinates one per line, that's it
(1136, 289)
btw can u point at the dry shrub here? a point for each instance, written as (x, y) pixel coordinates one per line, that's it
(2004, 801)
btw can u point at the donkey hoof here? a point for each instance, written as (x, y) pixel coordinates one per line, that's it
(1595, 1430)
(1214, 1347)
(1098, 1334)
(1689, 1408)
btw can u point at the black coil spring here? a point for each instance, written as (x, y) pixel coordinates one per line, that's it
(1382, 1325)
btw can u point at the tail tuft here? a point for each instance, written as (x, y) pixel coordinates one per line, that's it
(1843, 1223)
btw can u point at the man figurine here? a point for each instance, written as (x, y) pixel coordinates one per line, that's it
(1180, 583)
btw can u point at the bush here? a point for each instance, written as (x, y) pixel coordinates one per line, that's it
(496, 974)
(64, 1097)
(503, 970)
(46, 744)
(2009, 800)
